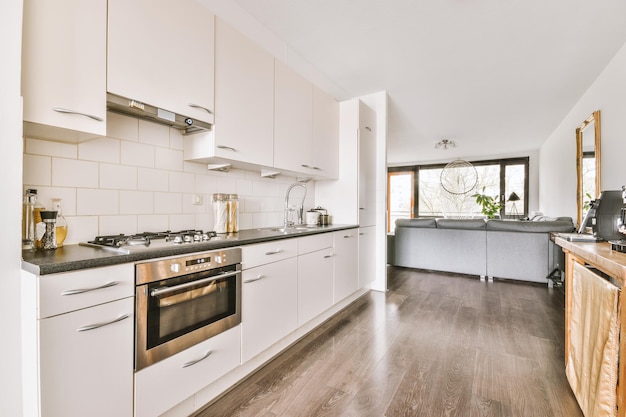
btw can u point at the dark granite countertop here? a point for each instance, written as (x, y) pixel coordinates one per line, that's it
(77, 257)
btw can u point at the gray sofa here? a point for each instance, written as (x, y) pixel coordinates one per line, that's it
(509, 249)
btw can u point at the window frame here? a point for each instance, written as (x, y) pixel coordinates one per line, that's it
(503, 162)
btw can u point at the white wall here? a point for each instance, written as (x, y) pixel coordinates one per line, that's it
(557, 191)
(10, 190)
(135, 180)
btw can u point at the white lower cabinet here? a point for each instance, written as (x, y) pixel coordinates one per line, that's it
(269, 305)
(86, 361)
(163, 385)
(346, 272)
(367, 256)
(315, 284)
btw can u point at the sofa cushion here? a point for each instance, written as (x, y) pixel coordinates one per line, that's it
(465, 224)
(530, 226)
(423, 223)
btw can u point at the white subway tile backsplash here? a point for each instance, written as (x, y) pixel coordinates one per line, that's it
(118, 177)
(97, 202)
(47, 148)
(154, 134)
(176, 139)
(182, 182)
(37, 170)
(74, 173)
(168, 203)
(150, 179)
(181, 222)
(81, 229)
(205, 184)
(136, 202)
(122, 127)
(170, 159)
(101, 149)
(111, 225)
(137, 154)
(152, 222)
(135, 180)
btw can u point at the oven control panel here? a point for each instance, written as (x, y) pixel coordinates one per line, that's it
(158, 269)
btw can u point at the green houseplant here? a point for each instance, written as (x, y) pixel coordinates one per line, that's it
(490, 206)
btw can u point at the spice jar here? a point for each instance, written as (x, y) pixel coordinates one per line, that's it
(233, 214)
(49, 238)
(220, 213)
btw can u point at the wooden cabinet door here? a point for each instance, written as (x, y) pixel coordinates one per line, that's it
(293, 122)
(325, 147)
(161, 52)
(346, 274)
(269, 305)
(244, 98)
(64, 67)
(88, 372)
(315, 284)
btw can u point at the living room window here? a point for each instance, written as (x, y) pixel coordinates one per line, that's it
(416, 191)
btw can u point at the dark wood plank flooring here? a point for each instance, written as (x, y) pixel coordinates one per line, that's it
(434, 345)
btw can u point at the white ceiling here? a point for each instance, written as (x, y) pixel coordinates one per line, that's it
(497, 77)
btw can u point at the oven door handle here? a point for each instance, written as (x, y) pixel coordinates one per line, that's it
(166, 290)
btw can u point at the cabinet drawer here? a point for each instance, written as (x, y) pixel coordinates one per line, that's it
(163, 385)
(69, 291)
(315, 242)
(264, 253)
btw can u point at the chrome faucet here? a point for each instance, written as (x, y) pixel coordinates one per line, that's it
(300, 209)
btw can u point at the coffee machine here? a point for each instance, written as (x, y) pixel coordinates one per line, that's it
(619, 245)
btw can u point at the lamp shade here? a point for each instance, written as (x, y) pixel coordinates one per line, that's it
(513, 197)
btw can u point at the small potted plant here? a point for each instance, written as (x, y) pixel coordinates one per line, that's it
(490, 206)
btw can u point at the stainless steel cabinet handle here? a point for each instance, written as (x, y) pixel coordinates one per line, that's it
(166, 290)
(197, 106)
(361, 234)
(98, 325)
(305, 166)
(274, 252)
(254, 279)
(226, 147)
(68, 111)
(84, 290)
(317, 168)
(347, 236)
(195, 361)
(361, 208)
(329, 256)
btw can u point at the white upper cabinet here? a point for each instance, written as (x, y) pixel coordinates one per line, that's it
(293, 122)
(161, 52)
(306, 127)
(325, 134)
(64, 69)
(244, 104)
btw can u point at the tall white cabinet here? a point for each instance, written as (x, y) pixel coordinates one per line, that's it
(160, 52)
(359, 194)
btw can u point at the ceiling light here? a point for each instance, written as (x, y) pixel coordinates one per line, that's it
(445, 144)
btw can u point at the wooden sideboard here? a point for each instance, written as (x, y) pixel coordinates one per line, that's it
(613, 264)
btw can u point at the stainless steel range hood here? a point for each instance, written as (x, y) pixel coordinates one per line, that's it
(136, 108)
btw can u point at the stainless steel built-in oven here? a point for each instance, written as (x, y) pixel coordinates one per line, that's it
(182, 301)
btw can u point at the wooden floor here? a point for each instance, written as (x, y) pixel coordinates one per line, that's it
(434, 345)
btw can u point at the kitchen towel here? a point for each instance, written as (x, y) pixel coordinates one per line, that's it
(592, 361)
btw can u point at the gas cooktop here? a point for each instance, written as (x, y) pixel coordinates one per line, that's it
(150, 240)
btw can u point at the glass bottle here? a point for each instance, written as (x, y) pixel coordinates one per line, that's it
(49, 238)
(233, 213)
(61, 223)
(28, 222)
(39, 227)
(220, 212)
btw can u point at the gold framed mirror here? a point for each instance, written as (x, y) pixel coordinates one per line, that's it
(588, 163)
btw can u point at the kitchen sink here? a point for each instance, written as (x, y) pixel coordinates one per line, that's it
(287, 230)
